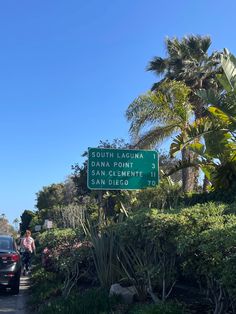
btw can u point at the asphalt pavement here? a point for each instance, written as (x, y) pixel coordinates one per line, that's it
(15, 304)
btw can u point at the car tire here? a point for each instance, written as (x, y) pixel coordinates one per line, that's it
(15, 288)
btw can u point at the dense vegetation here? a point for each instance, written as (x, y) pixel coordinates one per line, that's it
(5, 227)
(175, 243)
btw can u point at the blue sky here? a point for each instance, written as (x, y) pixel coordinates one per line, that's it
(69, 70)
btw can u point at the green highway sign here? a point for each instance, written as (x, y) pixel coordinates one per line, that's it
(122, 169)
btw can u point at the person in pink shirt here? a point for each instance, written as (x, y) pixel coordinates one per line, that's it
(28, 246)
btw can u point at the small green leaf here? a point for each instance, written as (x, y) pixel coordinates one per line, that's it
(209, 96)
(222, 78)
(197, 148)
(219, 114)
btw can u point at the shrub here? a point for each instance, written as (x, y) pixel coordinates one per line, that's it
(55, 237)
(44, 285)
(65, 253)
(149, 251)
(92, 301)
(207, 246)
(161, 308)
(165, 196)
(220, 195)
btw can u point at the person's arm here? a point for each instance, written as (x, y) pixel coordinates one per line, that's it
(22, 246)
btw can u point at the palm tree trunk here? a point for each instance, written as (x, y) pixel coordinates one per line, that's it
(200, 112)
(188, 174)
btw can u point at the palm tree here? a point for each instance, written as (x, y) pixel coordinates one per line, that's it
(156, 116)
(217, 153)
(188, 61)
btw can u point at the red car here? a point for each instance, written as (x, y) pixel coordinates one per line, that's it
(10, 264)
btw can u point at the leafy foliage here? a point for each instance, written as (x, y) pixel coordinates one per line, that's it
(167, 110)
(188, 61)
(50, 196)
(228, 78)
(26, 218)
(104, 250)
(44, 285)
(161, 308)
(208, 248)
(216, 152)
(148, 247)
(5, 227)
(92, 301)
(165, 196)
(67, 253)
(157, 115)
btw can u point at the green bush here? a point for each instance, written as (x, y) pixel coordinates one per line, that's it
(154, 250)
(165, 196)
(44, 285)
(220, 195)
(161, 308)
(149, 250)
(68, 254)
(55, 237)
(197, 243)
(207, 247)
(93, 301)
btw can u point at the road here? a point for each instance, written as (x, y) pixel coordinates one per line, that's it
(15, 304)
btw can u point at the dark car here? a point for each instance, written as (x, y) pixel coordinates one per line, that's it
(10, 264)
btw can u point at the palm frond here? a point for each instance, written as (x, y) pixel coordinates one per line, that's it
(148, 109)
(168, 105)
(183, 165)
(197, 148)
(222, 78)
(155, 135)
(228, 104)
(227, 108)
(173, 47)
(198, 45)
(200, 128)
(157, 65)
(221, 115)
(209, 96)
(228, 62)
(217, 147)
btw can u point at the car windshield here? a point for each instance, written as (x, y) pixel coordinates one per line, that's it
(6, 244)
